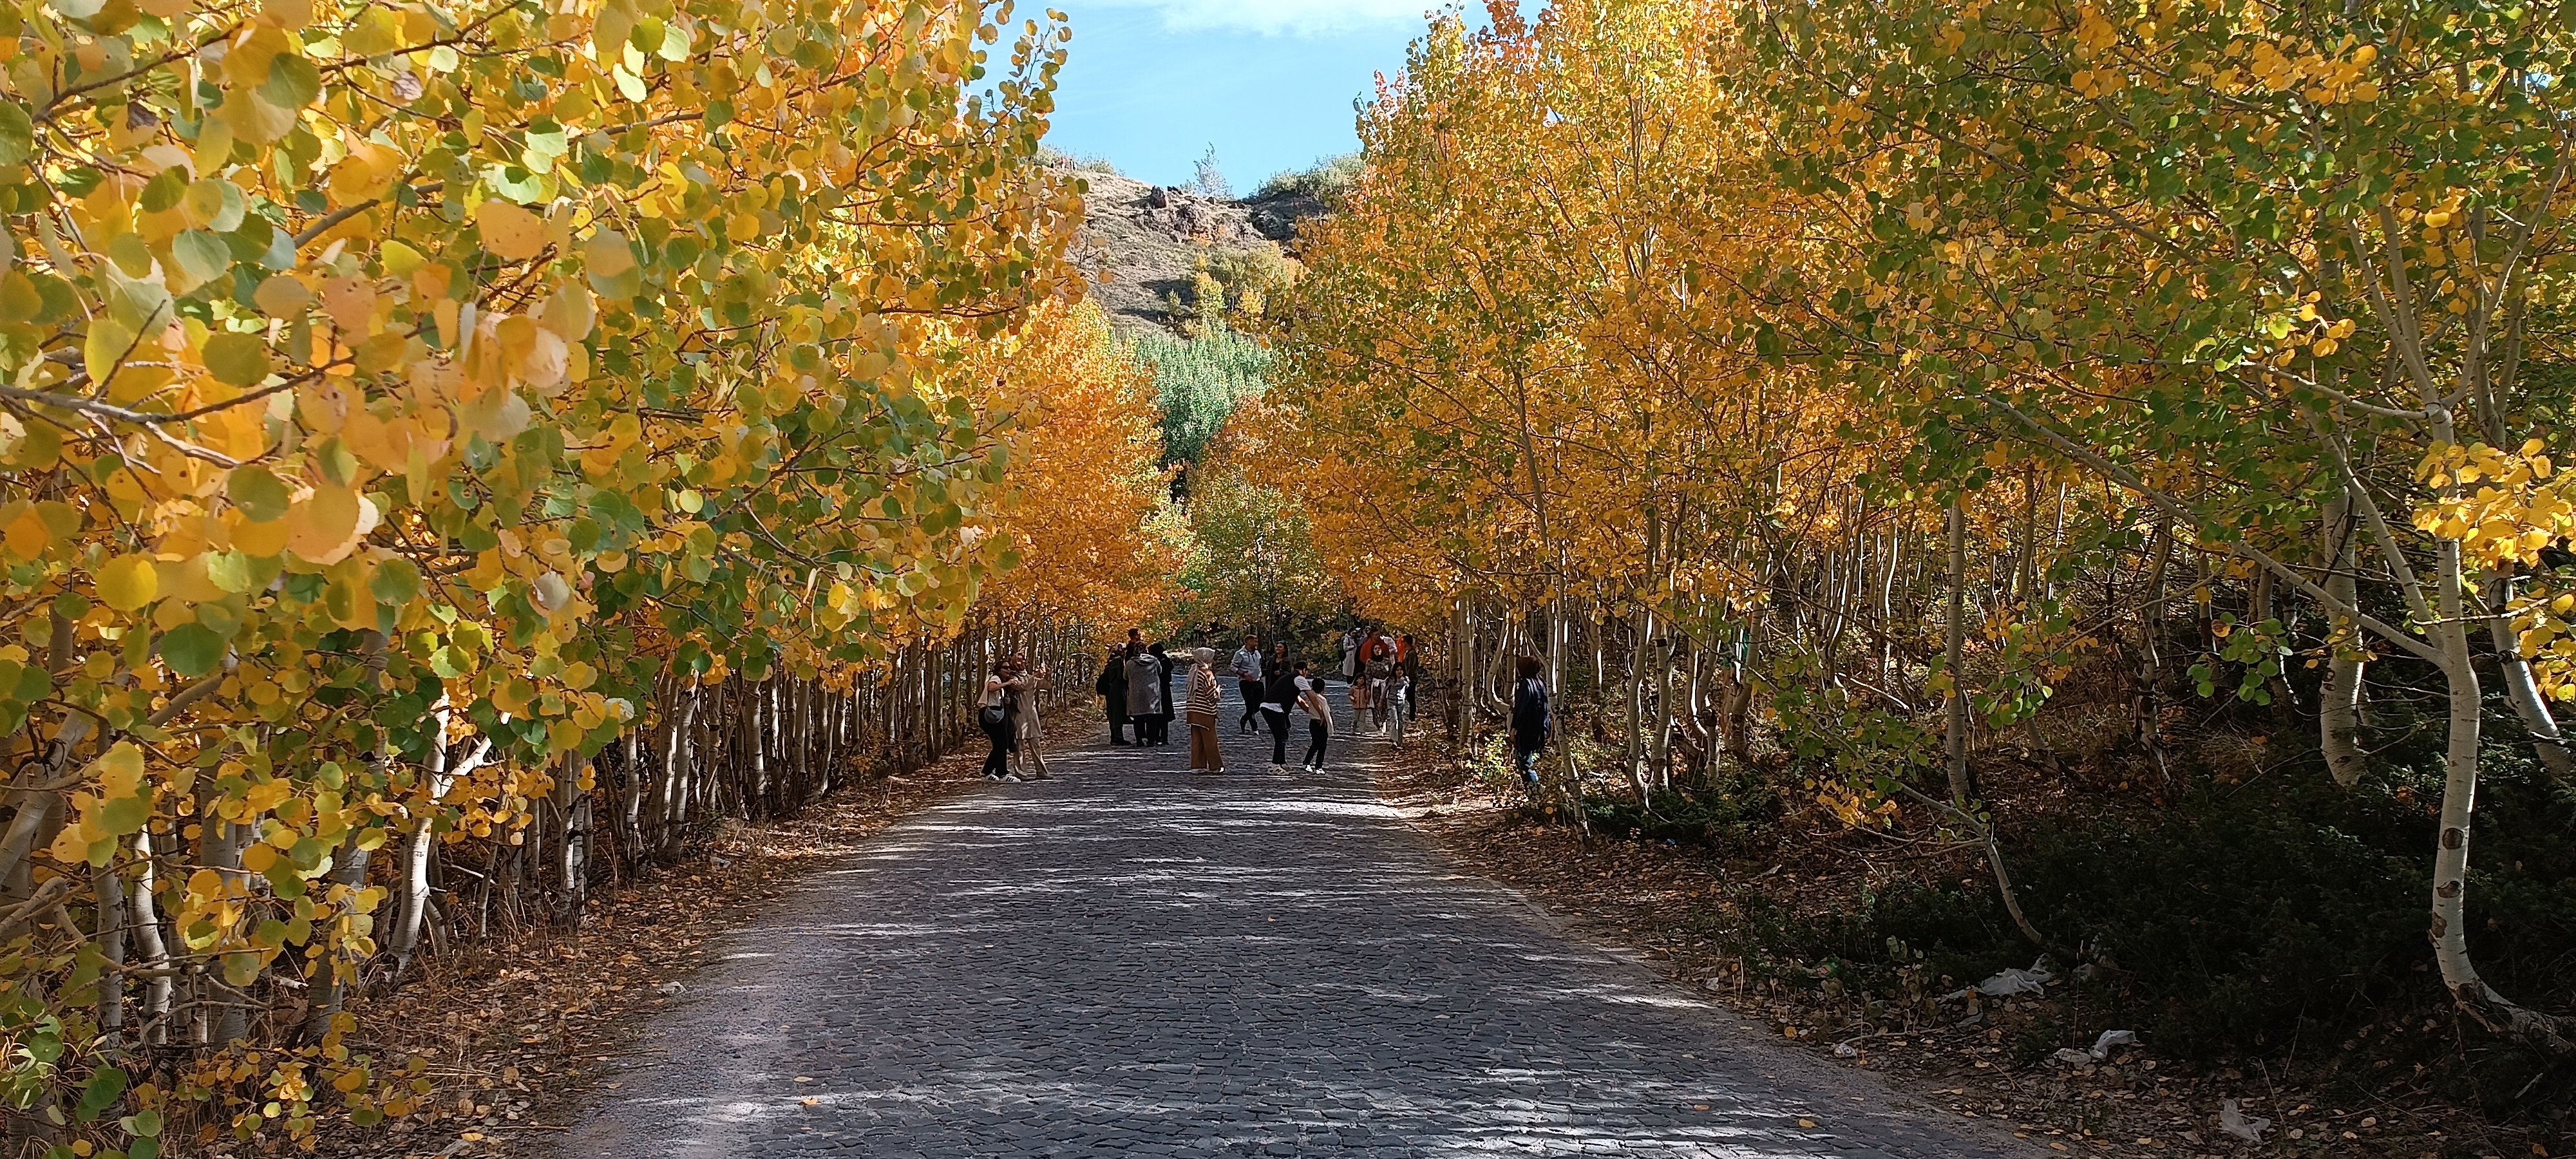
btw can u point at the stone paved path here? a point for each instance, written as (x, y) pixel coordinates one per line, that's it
(1132, 960)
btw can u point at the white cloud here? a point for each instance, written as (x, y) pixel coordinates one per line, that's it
(1292, 17)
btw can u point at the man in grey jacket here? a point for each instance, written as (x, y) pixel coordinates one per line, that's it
(1144, 691)
(1247, 670)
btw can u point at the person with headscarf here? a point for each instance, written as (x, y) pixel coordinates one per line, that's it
(1205, 755)
(1379, 673)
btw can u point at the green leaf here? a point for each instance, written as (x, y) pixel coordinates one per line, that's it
(396, 581)
(238, 359)
(261, 495)
(201, 255)
(125, 816)
(231, 571)
(165, 190)
(192, 650)
(293, 82)
(17, 134)
(105, 1087)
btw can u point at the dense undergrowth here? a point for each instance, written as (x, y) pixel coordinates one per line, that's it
(2273, 921)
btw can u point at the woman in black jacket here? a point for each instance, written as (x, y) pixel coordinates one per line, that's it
(1112, 687)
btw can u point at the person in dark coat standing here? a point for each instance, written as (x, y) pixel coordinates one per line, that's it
(1163, 717)
(1530, 722)
(1112, 687)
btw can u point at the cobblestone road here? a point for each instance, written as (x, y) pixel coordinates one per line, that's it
(1133, 960)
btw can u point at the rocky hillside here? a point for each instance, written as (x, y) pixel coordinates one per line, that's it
(1141, 242)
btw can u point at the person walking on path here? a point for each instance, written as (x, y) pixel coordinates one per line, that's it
(1530, 723)
(1278, 693)
(1319, 717)
(1380, 675)
(1165, 706)
(1112, 687)
(993, 713)
(1028, 733)
(1205, 755)
(1247, 674)
(1351, 655)
(1144, 683)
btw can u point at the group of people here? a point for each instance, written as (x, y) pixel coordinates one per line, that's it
(1382, 669)
(1135, 687)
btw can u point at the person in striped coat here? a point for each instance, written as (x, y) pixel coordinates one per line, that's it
(1201, 702)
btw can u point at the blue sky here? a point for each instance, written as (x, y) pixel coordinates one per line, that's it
(1151, 84)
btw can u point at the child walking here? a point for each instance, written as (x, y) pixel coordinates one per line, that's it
(1319, 717)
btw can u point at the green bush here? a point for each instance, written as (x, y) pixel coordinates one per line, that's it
(2255, 920)
(1093, 163)
(1722, 817)
(1324, 181)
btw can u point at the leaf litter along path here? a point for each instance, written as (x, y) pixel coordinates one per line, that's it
(1133, 959)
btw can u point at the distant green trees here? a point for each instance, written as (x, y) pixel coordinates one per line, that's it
(1197, 381)
(1253, 559)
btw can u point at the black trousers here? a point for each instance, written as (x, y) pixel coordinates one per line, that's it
(1251, 706)
(1315, 734)
(998, 728)
(1109, 707)
(1278, 718)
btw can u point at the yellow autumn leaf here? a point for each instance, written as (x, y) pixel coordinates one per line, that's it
(281, 296)
(120, 770)
(606, 254)
(509, 231)
(325, 525)
(127, 582)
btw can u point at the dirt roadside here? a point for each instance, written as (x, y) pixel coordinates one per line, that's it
(520, 1032)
